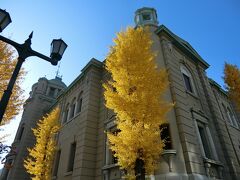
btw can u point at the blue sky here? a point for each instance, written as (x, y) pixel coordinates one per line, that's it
(88, 27)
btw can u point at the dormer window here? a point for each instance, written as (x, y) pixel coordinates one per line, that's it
(51, 92)
(146, 17)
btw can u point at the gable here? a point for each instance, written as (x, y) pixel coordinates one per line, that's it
(182, 45)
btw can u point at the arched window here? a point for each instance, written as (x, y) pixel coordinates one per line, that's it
(232, 117)
(72, 109)
(79, 102)
(66, 114)
(188, 80)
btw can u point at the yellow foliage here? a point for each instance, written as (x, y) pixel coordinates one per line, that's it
(7, 65)
(135, 94)
(232, 79)
(41, 156)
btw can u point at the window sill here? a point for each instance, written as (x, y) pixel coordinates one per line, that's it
(214, 169)
(71, 119)
(110, 166)
(211, 161)
(192, 94)
(68, 173)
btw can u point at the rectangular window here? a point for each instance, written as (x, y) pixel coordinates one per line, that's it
(205, 142)
(114, 159)
(231, 118)
(66, 116)
(110, 158)
(72, 111)
(165, 135)
(187, 82)
(71, 157)
(79, 108)
(55, 170)
(20, 134)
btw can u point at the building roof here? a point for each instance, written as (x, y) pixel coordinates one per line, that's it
(183, 45)
(92, 62)
(58, 81)
(216, 85)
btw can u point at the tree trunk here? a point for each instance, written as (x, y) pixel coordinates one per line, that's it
(139, 169)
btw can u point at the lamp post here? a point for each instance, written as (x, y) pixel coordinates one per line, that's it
(24, 50)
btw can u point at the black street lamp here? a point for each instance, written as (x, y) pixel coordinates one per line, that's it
(58, 46)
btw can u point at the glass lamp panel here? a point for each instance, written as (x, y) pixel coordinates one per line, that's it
(55, 46)
(5, 19)
(62, 47)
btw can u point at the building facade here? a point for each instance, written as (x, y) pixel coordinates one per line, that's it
(41, 98)
(203, 126)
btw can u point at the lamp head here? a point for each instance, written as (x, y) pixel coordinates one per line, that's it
(5, 19)
(58, 46)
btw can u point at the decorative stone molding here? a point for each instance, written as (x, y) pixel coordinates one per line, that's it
(214, 169)
(168, 156)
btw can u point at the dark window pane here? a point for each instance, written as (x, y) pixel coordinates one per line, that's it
(66, 116)
(55, 170)
(51, 92)
(71, 157)
(204, 142)
(114, 159)
(20, 133)
(165, 135)
(146, 17)
(187, 82)
(72, 110)
(79, 105)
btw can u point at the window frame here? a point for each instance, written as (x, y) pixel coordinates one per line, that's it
(165, 134)
(72, 109)
(202, 121)
(110, 159)
(79, 102)
(71, 157)
(20, 134)
(186, 75)
(66, 113)
(51, 91)
(204, 141)
(57, 162)
(230, 117)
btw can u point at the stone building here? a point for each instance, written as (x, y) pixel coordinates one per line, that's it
(41, 98)
(204, 128)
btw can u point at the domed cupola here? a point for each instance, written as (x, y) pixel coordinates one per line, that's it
(146, 16)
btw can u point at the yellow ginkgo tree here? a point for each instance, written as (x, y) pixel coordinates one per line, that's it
(7, 65)
(135, 93)
(232, 80)
(40, 160)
